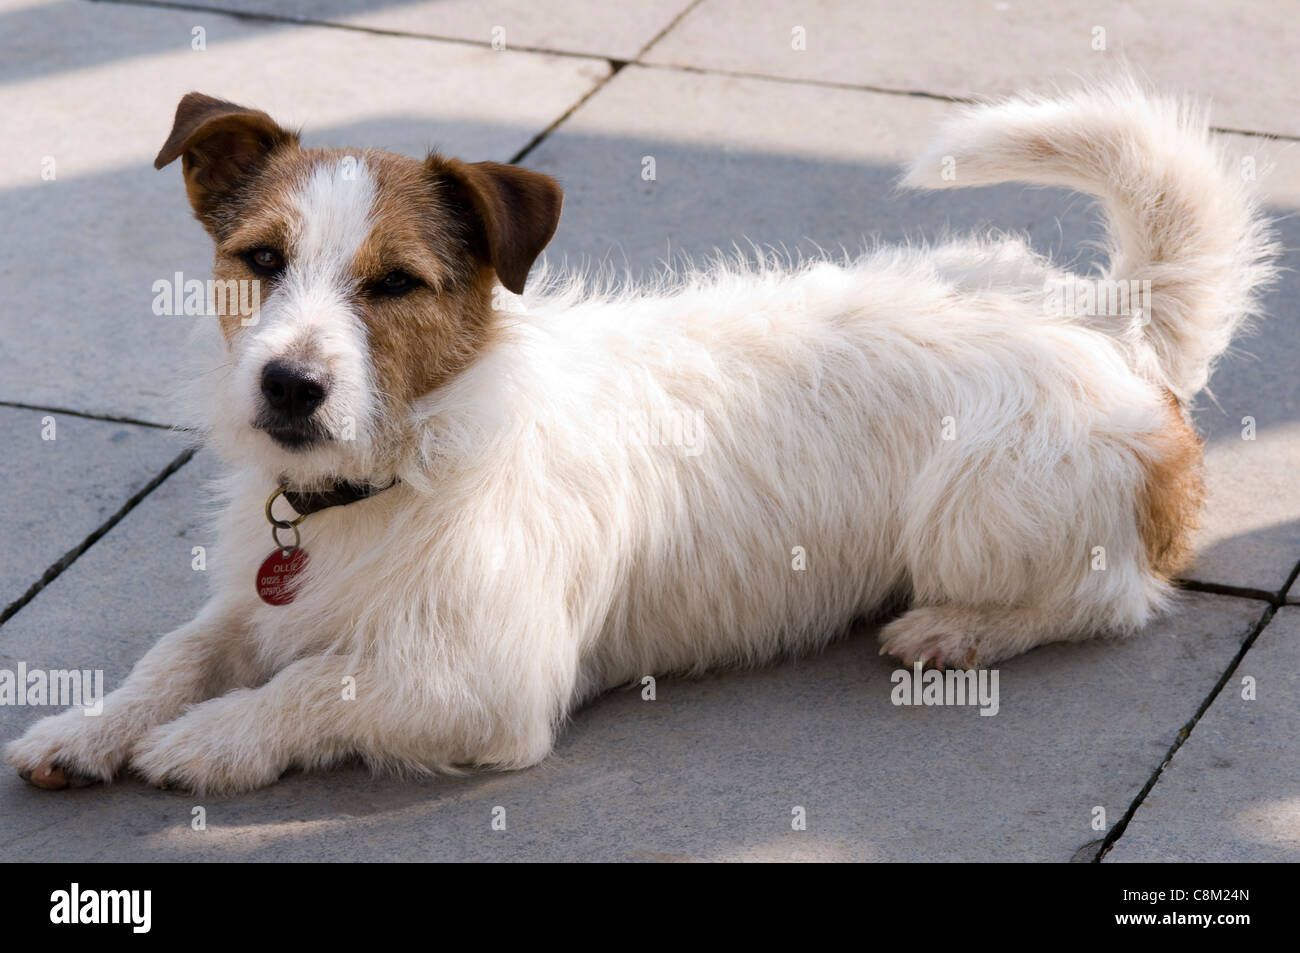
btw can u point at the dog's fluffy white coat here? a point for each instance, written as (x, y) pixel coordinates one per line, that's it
(538, 551)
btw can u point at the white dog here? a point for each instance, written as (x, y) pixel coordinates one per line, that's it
(516, 503)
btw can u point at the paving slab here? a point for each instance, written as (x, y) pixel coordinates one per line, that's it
(92, 87)
(799, 166)
(711, 769)
(616, 30)
(1240, 54)
(63, 477)
(1232, 790)
(86, 619)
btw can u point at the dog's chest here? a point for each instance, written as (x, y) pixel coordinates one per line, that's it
(315, 593)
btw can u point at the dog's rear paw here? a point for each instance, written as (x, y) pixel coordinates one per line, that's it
(965, 638)
(935, 637)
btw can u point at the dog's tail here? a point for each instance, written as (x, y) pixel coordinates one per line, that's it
(1177, 215)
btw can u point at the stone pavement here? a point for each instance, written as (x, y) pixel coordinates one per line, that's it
(751, 137)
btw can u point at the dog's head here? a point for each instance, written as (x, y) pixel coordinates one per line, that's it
(372, 273)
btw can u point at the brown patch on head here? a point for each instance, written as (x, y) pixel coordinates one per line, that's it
(257, 212)
(451, 225)
(420, 339)
(236, 162)
(1173, 492)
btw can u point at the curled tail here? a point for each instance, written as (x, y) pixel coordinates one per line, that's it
(1176, 213)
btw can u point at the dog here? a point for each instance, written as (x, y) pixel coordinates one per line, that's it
(487, 506)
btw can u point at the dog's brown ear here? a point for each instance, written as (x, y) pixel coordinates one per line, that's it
(516, 211)
(218, 143)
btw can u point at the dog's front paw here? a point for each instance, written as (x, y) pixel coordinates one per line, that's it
(70, 749)
(211, 750)
(935, 637)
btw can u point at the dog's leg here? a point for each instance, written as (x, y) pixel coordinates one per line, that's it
(322, 709)
(1061, 533)
(195, 662)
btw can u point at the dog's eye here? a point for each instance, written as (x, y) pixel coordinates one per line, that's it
(395, 283)
(265, 261)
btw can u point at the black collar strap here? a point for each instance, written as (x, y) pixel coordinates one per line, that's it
(306, 503)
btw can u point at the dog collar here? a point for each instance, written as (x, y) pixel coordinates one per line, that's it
(342, 493)
(277, 577)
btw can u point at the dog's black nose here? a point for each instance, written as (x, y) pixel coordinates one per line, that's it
(292, 390)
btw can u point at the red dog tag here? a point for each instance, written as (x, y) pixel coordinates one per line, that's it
(277, 575)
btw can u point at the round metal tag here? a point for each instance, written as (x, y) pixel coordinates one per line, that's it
(277, 575)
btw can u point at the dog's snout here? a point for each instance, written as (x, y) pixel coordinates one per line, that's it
(292, 390)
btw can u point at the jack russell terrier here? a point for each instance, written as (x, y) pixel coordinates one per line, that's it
(487, 509)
